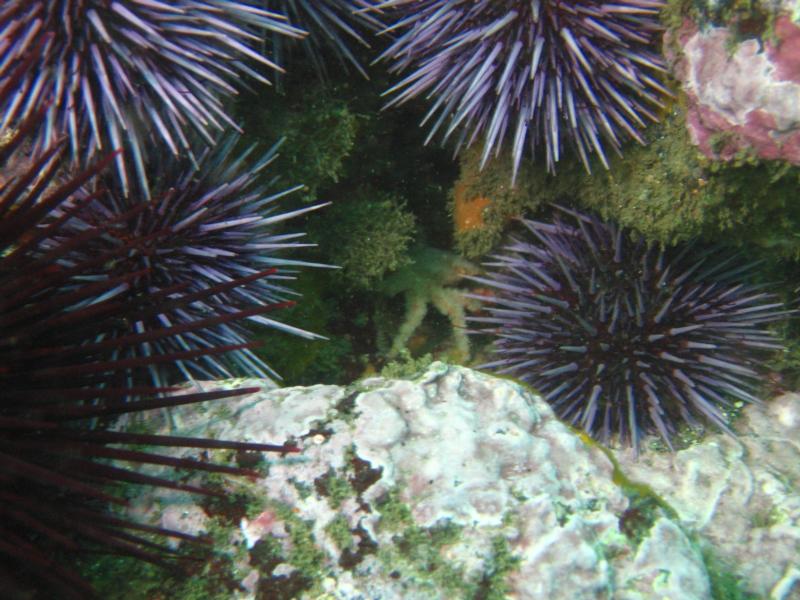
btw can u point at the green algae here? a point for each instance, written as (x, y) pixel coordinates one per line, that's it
(745, 19)
(395, 514)
(368, 236)
(318, 129)
(304, 553)
(645, 506)
(195, 572)
(417, 555)
(335, 488)
(405, 366)
(665, 190)
(339, 531)
(118, 578)
(725, 583)
(501, 562)
(493, 182)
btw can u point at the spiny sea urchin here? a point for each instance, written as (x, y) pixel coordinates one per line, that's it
(533, 71)
(623, 337)
(203, 230)
(60, 373)
(116, 71)
(331, 24)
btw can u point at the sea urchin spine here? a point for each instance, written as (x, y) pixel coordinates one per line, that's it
(60, 381)
(214, 232)
(622, 337)
(521, 73)
(332, 26)
(115, 71)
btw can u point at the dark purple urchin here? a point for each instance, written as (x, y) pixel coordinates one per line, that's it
(622, 337)
(203, 229)
(62, 329)
(332, 25)
(529, 73)
(126, 73)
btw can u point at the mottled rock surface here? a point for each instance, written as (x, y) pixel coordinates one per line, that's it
(452, 485)
(741, 495)
(743, 97)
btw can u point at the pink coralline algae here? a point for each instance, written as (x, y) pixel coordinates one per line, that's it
(745, 100)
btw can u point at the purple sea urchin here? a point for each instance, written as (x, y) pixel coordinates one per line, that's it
(622, 337)
(114, 72)
(59, 374)
(203, 229)
(331, 24)
(535, 72)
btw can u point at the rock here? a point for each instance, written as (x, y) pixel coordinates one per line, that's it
(742, 97)
(740, 495)
(454, 485)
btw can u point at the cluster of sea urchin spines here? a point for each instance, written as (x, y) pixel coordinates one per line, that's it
(216, 226)
(113, 72)
(332, 25)
(622, 337)
(520, 74)
(60, 373)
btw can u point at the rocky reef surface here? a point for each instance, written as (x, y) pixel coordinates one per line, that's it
(742, 95)
(456, 484)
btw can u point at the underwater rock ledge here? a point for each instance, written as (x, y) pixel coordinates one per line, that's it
(457, 484)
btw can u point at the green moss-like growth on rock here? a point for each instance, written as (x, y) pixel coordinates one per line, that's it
(367, 235)
(405, 366)
(335, 488)
(505, 201)
(670, 193)
(319, 131)
(122, 578)
(339, 531)
(493, 585)
(395, 514)
(725, 583)
(304, 554)
(418, 555)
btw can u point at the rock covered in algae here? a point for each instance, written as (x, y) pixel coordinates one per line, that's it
(740, 495)
(742, 95)
(453, 485)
